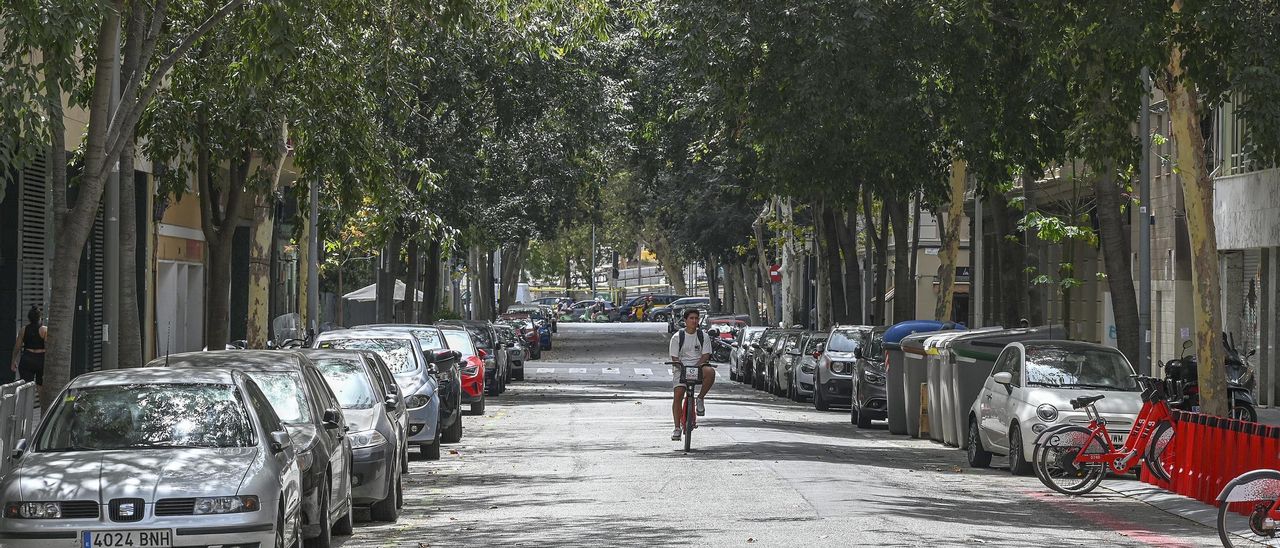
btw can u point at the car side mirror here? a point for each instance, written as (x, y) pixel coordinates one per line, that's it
(331, 419)
(279, 441)
(1003, 377)
(19, 449)
(481, 352)
(443, 355)
(391, 402)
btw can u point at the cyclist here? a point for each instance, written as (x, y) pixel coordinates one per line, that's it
(690, 346)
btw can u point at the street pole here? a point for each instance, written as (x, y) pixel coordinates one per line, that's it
(313, 269)
(593, 260)
(1145, 219)
(111, 228)
(976, 261)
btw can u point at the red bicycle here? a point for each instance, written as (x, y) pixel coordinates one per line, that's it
(1073, 459)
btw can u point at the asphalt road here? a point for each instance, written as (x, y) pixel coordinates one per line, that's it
(580, 455)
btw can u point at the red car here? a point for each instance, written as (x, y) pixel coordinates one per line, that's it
(471, 368)
(528, 331)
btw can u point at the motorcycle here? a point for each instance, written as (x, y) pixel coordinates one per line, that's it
(721, 346)
(1181, 376)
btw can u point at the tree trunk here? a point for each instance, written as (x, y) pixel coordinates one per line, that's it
(750, 296)
(431, 299)
(486, 285)
(772, 306)
(792, 271)
(1035, 255)
(670, 265)
(261, 241)
(880, 256)
(951, 242)
(130, 325)
(713, 284)
(385, 293)
(1197, 190)
(1117, 260)
(730, 287)
(409, 310)
(513, 257)
(830, 257)
(915, 234)
(904, 291)
(1010, 264)
(822, 267)
(846, 229)
(305, 261)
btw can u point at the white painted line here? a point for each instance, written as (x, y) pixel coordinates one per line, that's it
(546, 370)
(611, 371)
(577, 370)
(644, 371)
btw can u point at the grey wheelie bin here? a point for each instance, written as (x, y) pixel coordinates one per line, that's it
(915, 357)
(972, 357)
(937, 351)
(893, 365)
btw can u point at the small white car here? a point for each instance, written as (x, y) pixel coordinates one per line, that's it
(1030, 389)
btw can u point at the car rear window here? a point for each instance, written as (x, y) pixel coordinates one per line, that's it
(349, 382)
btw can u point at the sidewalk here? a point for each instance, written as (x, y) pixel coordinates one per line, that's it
(1181, 506)
(1269, 415)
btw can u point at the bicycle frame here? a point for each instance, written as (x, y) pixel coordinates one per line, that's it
(1155, 410)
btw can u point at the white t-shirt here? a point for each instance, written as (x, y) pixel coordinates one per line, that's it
(693, 350)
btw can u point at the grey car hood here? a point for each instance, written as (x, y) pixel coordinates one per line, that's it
(148, 474)
(840, 356)
(361, 419)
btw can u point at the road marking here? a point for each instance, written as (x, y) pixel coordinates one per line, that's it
(644, 371)
(578, 370)
(611, 371)
(546, 370)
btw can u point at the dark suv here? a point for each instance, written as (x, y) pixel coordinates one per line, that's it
(869, 380)
(833, 378)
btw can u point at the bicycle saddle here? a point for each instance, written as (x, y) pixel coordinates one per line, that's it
(1084, 401)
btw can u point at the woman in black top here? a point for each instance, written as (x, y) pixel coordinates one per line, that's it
(30, 345)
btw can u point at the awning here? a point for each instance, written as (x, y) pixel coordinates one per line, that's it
(369, 293)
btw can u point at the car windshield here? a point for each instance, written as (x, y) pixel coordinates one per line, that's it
(792, 345)
(284, 390)
(843, 341)
(768, 339)
(481, 335)
(397, 353)
(459, 340)
(753, 335)
(103, 418)
(1078, 368)
(811, 345)
(349, 382)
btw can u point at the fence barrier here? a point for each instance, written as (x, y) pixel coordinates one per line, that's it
(17, 418)
(1210, 451)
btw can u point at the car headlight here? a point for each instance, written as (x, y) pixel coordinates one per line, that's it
(366, 438)
(839, 367)
(1047, 413)
(226, 505)
(469, 370)
(874, 378)
(807, 368)
(306, 459)
(33, 510)
(417, 400)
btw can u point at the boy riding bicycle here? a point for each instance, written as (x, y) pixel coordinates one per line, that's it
(690, 346)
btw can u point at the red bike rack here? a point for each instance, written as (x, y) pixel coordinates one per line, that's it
(1208, 452)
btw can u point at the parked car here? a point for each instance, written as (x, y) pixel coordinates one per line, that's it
(527, 332)
(868, 396)
(377, 423)
(515, 349)
(447, 370)
(593, 310)
(800, 374)
(473, 370)
(665, 313)
(627, 310)
(740, 356)
(311, 413)
(202, 450)
(535, 312)
(412, 369)
(833, 376)
(497, 363)
(1030, 388)
(760, 351)
(784, 358)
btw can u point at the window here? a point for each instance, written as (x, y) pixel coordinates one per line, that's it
(398, 354)
(102, 418)
(353, 388)
(1087, 368)
(284, 390)
(266, 414)
(843, 341)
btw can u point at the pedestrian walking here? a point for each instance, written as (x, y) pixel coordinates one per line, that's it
(29, 349)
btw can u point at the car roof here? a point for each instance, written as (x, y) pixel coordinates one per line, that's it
(244, 360)
(154, 375)
(368, 332)
(1065, 344)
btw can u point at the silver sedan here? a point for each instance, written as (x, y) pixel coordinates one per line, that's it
(155, 458)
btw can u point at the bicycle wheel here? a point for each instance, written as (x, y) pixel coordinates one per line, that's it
(1259, 489)
(1158, 455)
(1039, 441)
(1054, 461)
(689, 413)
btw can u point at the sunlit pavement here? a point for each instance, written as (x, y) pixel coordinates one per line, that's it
(580, 455)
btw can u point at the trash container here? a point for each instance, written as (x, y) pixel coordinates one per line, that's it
(936, 352)
(972, 357)
(893, 366)
(915, 356)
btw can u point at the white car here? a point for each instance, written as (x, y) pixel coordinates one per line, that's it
(1030, 389)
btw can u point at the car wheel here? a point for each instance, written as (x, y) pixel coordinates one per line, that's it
(453, 434)
(431, 451)
(978, 456)
(863, 421)
(387, 509)
(819, 402)
(1017, 458)
(477, 407)
(518, 374)
(345, 525)
(325, 538)
(733, 373)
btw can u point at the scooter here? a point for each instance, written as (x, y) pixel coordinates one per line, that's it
(1181, 375)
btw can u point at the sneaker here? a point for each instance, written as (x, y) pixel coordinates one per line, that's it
(702, 407)
(675, 435)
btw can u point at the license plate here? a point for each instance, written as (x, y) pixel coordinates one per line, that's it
(145, 538)
(690, 373)
(1118, 439)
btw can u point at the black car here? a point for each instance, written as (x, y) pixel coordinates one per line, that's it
(760, 349)
(868, 398)
(789, 344)
(317, 428)
(833, 377)
(497, 368)
(376, 417)
(445, 369)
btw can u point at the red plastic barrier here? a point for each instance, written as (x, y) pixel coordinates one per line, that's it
(1208, 452)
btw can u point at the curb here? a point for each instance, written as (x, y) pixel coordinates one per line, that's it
(1183, 507)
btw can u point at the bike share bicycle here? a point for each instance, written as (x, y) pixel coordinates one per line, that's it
(1073, 459)
(690, 377)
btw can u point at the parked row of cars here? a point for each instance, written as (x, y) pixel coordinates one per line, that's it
(255, 448)
(990, 392)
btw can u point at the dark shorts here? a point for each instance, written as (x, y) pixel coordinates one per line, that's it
(31, 367)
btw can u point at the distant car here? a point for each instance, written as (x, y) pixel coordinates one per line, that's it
(447, 370)
(868, 397)
(740, 356)
(472, 366)
(497, 362)
(760, 349)
(539, 313)
(516, 353)
(800, 372)
(527, 331)
(666, 313)
(593, 310)
(412, 369)
(1030, 388)
(833, 375)
(311, 413)
(170, 457)
(378, 425)
(784, 358)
